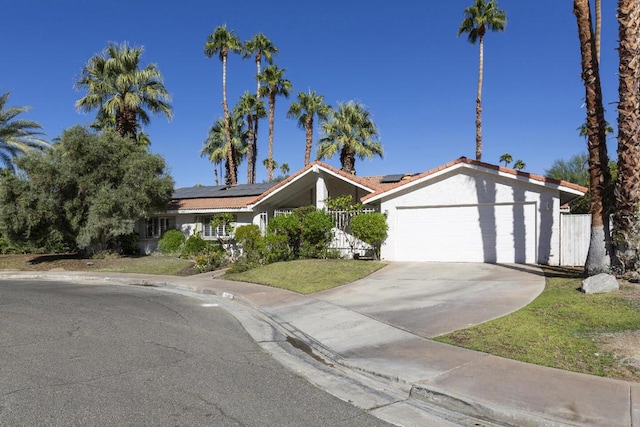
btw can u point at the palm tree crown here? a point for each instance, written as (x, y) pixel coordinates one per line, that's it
(17, 136)
(252, 109)
(351, 131)
(309, 105)
(223, 41)
(275, 85)
(121, 91)
(481, 16)
(261, 46)
(215, 147)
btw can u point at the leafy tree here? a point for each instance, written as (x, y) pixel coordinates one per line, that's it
(222, 42)
(519, 165)
(371, 228)
(121, 91)
(481, 16)
(627, 213)
(506, 158)
(89, 189)
(598, 259)
(276, 85)
(308, 106)
(350, 130)
(17, 136)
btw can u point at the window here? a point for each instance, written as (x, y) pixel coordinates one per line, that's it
(220, 232)
(156, 226)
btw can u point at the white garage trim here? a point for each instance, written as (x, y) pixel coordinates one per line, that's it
(490, 232)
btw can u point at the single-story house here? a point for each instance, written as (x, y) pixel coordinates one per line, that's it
(463, 211)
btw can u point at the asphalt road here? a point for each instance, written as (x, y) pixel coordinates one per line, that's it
(96, 355)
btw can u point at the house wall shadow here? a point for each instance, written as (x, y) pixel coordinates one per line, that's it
(486, 192)
(545, 210)
(519, 225)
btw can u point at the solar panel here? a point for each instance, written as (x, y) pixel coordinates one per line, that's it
(388, 179)
(220, 191)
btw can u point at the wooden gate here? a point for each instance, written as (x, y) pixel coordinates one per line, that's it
(575, 232)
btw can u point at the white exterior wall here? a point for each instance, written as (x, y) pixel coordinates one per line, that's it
(469, 187)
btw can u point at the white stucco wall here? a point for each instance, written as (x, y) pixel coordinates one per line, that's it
(469, 187)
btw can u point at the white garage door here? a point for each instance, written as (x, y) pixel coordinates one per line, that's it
(502, 233)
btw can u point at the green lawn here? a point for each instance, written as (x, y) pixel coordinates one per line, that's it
(562, 328)
(309, 275)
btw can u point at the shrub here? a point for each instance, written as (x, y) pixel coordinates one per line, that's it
(278, 249)
(316, 234)
(253, 246)
(194, 246)
(371, 228)
(171, 242)
(289, 226)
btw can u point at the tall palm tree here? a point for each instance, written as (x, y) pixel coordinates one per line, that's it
(121, 91)
(215, 146)
(275, 85)
(252, 109)
(519, 165)
(351, 131)
(626, 217)
(598, 4)
(309, 105)
(482, 16)
(222, 42)
(17, 136)
(598, 259)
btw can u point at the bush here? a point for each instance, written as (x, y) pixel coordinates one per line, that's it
(252, 243)
(316, 234)
(371, 228)
(127, 244)
(171, 242)
(290, 227)
(278, 249)
(194, 246)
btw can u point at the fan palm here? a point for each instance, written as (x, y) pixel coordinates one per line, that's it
(222, 42)
(482, 16)
(121, 91)
(519, 165)
(598, 260)
(309, 105)
(506, 158)
(275, 85)
(626, 216)
(215, 147)
(252, 109)
(350, 130)
(17, 136)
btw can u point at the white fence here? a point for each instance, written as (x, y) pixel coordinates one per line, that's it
(575, 232)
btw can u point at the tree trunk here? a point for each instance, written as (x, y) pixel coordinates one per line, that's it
(626, 217)
(479, 102)
(348, 160)
(255, 149)
(308, 126)
(250, 153)
(598, 256)
(230, 177)
(272, 106)
(598, 28)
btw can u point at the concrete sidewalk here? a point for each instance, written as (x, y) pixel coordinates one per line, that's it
(476, 384)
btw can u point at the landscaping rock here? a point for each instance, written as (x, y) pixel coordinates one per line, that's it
(600, 283)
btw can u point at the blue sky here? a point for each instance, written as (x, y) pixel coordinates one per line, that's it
(401, 59)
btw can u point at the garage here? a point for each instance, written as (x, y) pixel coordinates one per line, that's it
(503, 233)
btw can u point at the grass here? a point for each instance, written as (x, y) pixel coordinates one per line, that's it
(145, 264)
(563, 328)
(309, 275)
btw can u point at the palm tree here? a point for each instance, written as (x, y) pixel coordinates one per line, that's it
(17, 136)
(626, 217)
(309, 105)
(221, 42)
(215, 147)
(121, 91)
(350, 130)
(519, 165)
(506, 158)
(482, 16)
(598, 27)
(253, 109)
(276, 85)
(598, 260)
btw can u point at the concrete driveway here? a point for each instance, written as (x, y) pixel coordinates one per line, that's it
(431, 299)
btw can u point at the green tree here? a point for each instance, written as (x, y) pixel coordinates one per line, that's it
(598, 258)
(252, 108)
(276, 85)
(371, 228)
(627, 212)
(17, 136)
(519, 165)
(309, 105)
(223, 42)
(481, 16)
(506, 158)
(89, 190)
(215, 147)
(121, 91)
(350, 130)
